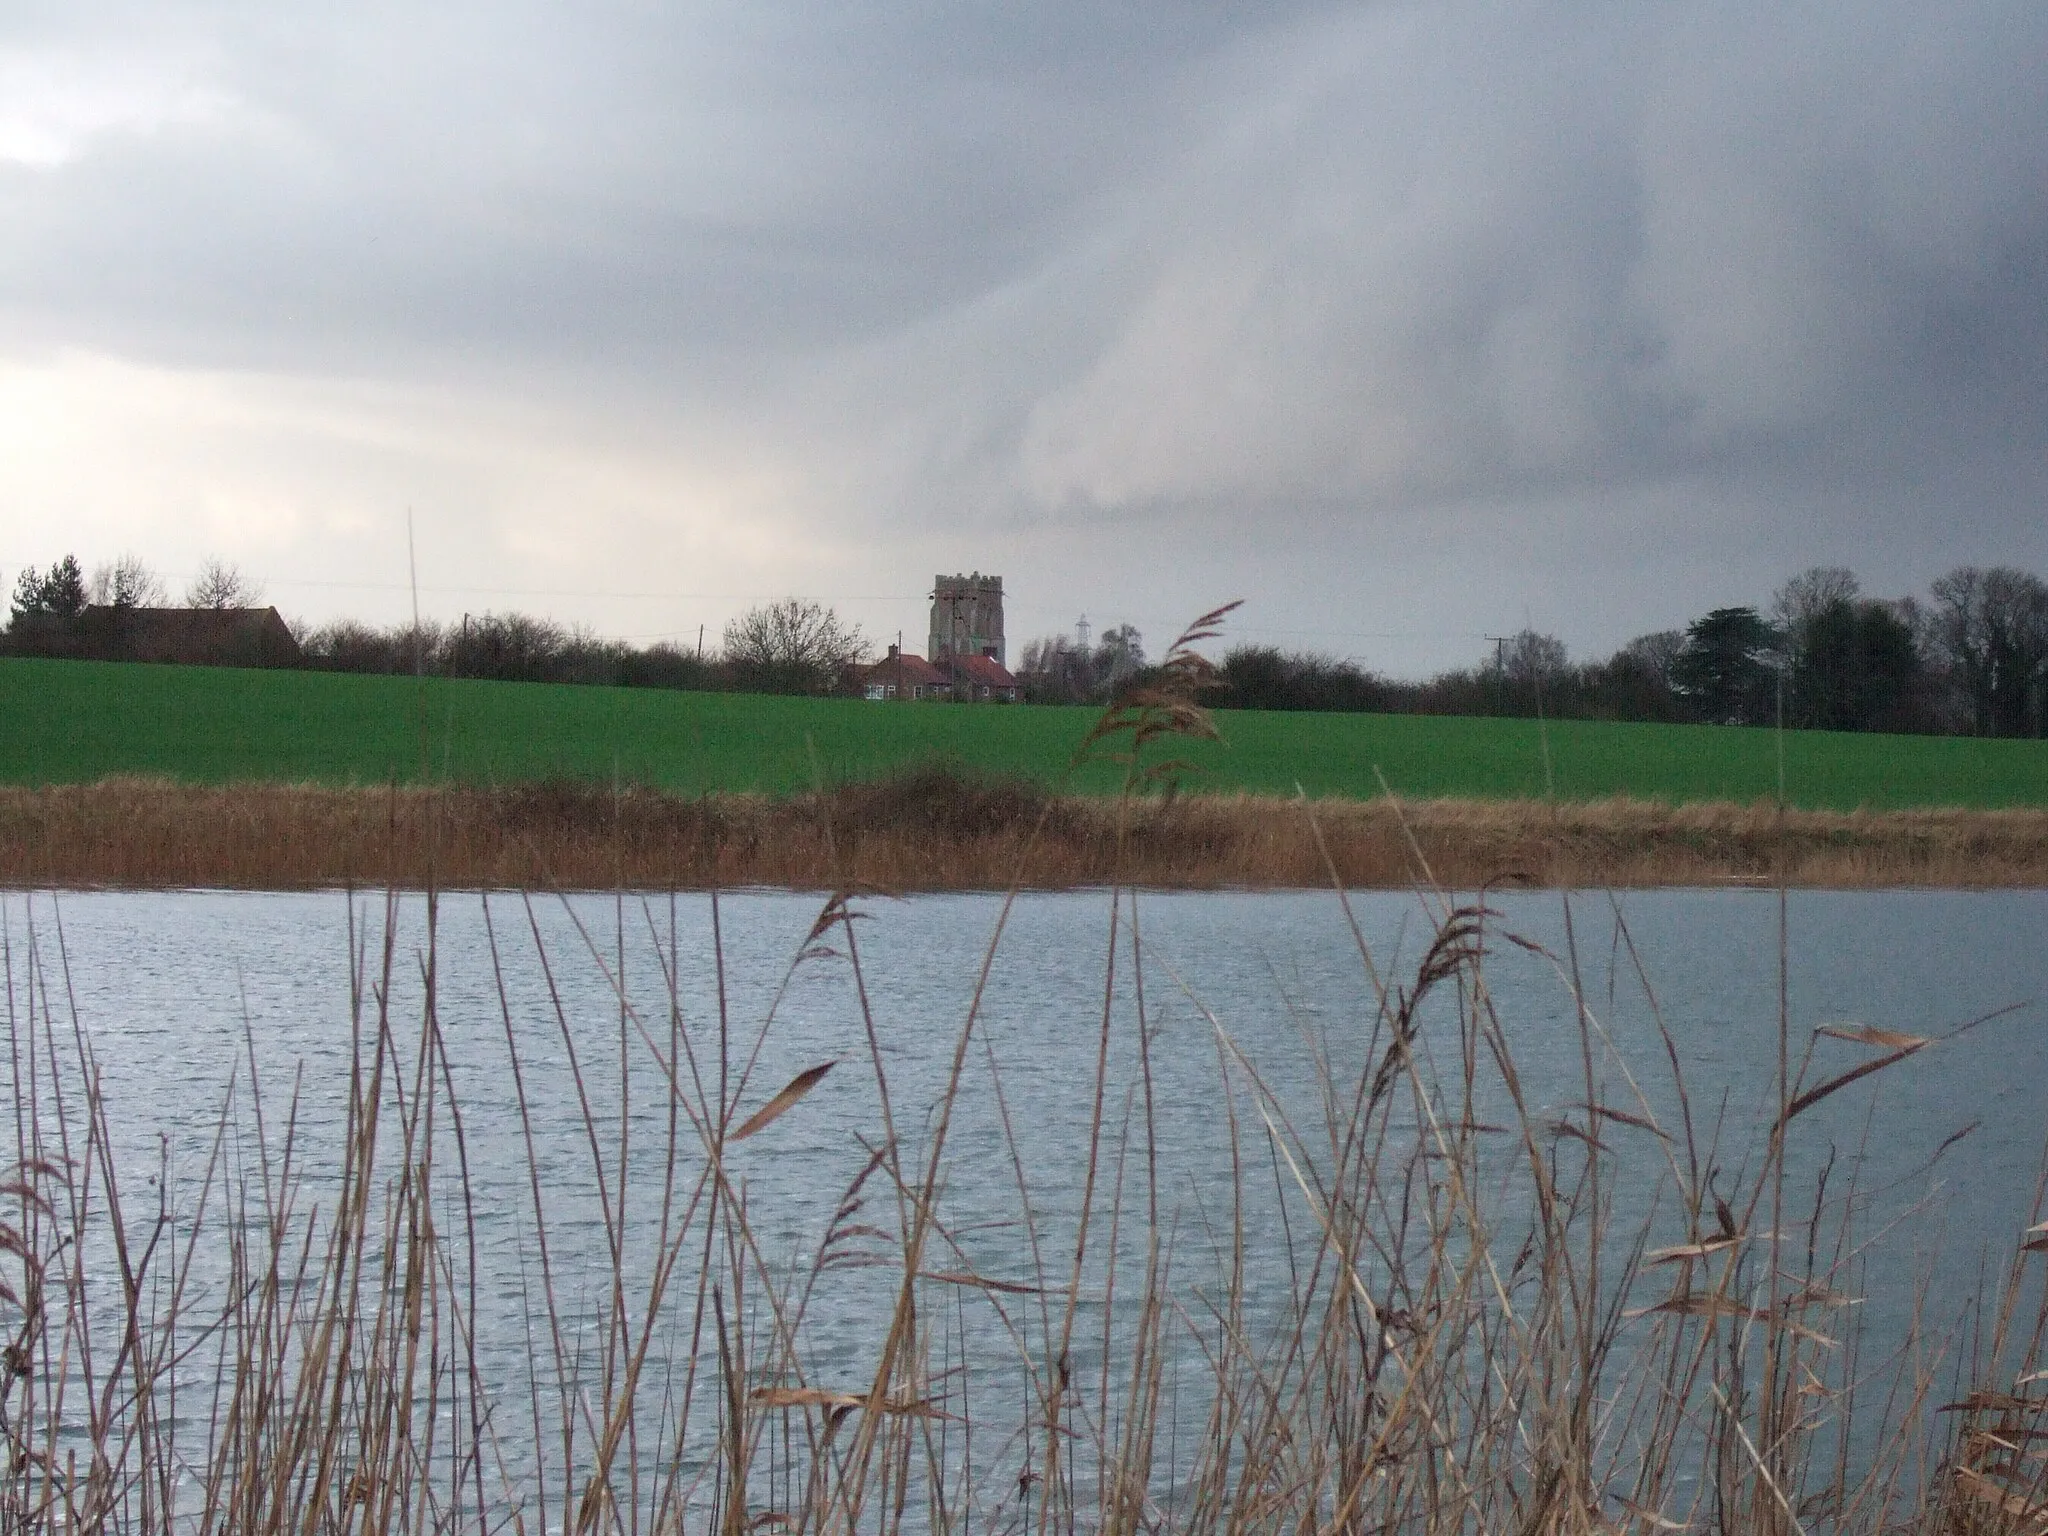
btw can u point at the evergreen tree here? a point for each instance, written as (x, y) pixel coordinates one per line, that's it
(1725, 670)
(64, 589)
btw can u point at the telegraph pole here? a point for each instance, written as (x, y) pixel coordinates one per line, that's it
(1500, 668)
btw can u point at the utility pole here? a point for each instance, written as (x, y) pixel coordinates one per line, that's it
(1500, 668)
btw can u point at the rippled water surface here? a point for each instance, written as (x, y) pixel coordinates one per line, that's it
(188, 998)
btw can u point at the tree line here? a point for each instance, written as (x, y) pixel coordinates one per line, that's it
(48, 600)
(1971, 657)
(791, 646)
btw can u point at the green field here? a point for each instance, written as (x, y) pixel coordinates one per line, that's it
(71, 722)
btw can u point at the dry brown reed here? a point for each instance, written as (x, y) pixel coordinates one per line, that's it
(1463, 1338)
(934, 829)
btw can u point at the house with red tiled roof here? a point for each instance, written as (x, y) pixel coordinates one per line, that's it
(983, 679)
(904, 676)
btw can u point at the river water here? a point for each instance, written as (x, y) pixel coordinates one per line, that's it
(187, 999)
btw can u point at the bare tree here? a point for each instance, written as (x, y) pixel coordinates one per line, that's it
(793, 643)
(221, 585)
(1535, 661)
(1656, 652)
(515, 647)
(1046, 655)
(1054, 670)
(1810, 594)
(126, 583)
(347, 645)
(1120, 654)
(1990, 631)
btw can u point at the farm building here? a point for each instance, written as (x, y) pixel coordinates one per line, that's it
(213, 637)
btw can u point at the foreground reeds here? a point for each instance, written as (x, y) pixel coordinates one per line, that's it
(939, 829)
(1412, 1305)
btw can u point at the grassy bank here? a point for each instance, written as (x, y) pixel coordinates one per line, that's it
(79, 722)
(941, 830)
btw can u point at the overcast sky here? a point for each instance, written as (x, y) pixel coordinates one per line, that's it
(1408, 324)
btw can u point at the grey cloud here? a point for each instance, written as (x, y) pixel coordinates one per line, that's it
(532, 179)
(1492, 260)
(1017, 267)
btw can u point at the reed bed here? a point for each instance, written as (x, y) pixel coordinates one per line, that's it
(940, 828)
(1466, 1338)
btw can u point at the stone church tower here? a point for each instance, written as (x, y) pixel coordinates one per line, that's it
(967, 618)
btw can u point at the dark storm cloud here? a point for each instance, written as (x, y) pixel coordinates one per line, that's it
(1486, 259)
(535, 179)
(1278, 265)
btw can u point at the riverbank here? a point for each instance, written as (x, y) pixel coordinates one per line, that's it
(935, 831)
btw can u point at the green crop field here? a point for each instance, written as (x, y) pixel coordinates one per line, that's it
(71, 722)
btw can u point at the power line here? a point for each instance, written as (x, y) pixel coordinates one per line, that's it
(1372, 634)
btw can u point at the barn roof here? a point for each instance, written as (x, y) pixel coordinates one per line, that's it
(986, 671)
(200, 636)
